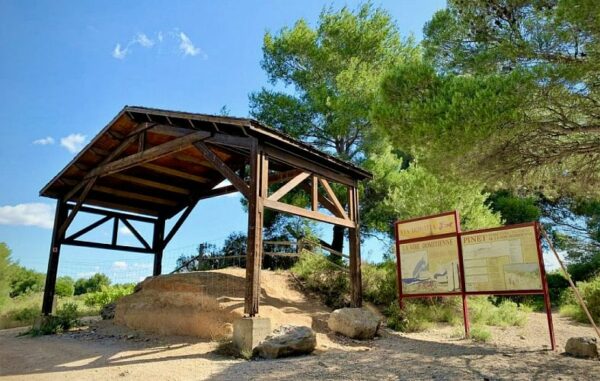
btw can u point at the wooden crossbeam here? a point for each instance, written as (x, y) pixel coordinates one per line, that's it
(75, 210)
(97, 245)
(175, 173)
(179, 222)
(273, 179)
(151, 183)
(286, 208)
(287, 187)
(136, 234)
(134, 195)
(336, 203)
(223, 168)
(148, 155)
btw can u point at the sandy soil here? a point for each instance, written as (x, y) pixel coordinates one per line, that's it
(104, 351)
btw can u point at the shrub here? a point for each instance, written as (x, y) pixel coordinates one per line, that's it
(65, 286)
(557, 284)
(408, 319)
(379, 282)
(483, 312)
(590, 292)
(92, 284)
(323, 277)
(108, 295)
(24, 281)
(480, 333)
(25, 314)
(66, 317)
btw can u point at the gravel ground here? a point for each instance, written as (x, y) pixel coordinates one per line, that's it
(103, 351)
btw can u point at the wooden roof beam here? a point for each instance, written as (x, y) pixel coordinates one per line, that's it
(223, 168)
(175, 173)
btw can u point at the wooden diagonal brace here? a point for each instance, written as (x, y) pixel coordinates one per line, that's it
(333, 198)
(223, 168)
(287, 187)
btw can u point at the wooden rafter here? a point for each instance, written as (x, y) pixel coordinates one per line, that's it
(134, 195)
(336, 203)
(151, 183)
(174, 172)
(223, 168)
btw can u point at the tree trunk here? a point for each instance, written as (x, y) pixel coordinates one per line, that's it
(337, 242)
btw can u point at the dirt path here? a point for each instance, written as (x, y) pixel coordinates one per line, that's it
(107, 352)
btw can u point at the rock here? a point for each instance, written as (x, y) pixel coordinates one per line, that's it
(356, 323)
(585, 347)
(287, 340)
(108, 311)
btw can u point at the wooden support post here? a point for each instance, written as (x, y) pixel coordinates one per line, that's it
(59, 218)
(354, 238)
(259, 178)
(158, 245)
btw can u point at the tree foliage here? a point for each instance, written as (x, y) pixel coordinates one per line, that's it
(24, 281)
(91, 284)
(529, 71)
(5, 267)
(65, 286)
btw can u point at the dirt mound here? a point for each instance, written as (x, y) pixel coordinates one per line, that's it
(205, 303)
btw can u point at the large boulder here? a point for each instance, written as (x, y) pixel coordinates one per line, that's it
(287, 340)
(356, 323)
(585, 347)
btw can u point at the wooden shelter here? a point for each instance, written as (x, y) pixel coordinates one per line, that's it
(150, 165)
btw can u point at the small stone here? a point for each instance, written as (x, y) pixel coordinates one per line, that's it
(129, 337)
(584, 347)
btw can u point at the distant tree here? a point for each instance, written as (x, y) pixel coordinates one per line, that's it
(194, 262)
(91, 284)
(24, 281)
(65, 286)
(5, 272)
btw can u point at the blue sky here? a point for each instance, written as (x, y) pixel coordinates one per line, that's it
(68, 67)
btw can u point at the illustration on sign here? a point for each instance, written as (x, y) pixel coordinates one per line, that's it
(430, 266)
(501, 260)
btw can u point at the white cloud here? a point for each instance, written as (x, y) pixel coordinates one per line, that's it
(186, 45)
(31, 214)
(125, 230)
(160, 36)
(119, 265)
(73, 143)
(44, 141)
(120, 53)
(143, 40)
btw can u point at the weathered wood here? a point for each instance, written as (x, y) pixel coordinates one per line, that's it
(355, 260)
(158, 245)
(175, 173)
(134, 195)
(259, 173)
(287, 187)
(135, 233)
(150, 154)
(115, 232)
(112, 213)
(314, 194)
(119, 206)
(336, 203)
(59, 216)
(273, 179)
(107, 246)
(150, 183)
(65, 225)
(223, 168)
(286, 208)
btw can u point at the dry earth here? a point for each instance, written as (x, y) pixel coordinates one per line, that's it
(104, 351)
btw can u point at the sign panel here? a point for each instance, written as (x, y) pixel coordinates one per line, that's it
(426, 227)
(501, 260)
(430, 267)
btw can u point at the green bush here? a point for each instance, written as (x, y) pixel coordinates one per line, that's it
(379, 282)
(108, 294)
(66, 317)
(323, 277)
(483, 312)
(408, 319)
(480, 333)
(92, 284)
(590, 292)
(25, 281)
(557, 285)
(65, 286)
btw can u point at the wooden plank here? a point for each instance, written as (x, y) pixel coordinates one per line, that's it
(111, 213)
(150, 154)
(97, 245)
(286, 208)
(150, 183)
(158, 245)
(124, 207)
(88, 187)
(175, 173)
(50, 284)
(336, 203)
(355, 260)
(273, 179)
(287, 187)
(134, 195)
(307, 165)
(223, 168)
(115, 231)
(314, 194)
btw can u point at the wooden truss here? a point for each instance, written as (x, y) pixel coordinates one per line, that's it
(158, 165)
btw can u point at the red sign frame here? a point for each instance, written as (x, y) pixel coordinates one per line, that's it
(463, 291)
